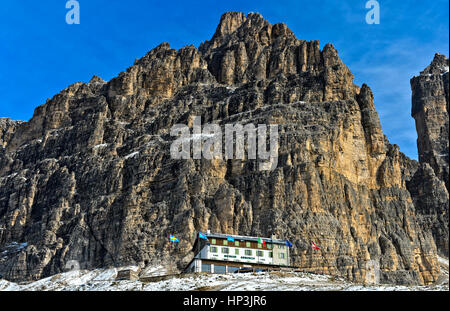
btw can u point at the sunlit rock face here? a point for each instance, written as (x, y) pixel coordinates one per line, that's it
(90, 176)
(430, 185)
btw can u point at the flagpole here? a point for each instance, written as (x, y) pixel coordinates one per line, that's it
(271, 245)
(170, 247)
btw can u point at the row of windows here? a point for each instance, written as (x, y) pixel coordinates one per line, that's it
(218, 268)
(247, 252)
(238, 243)
(247, 244)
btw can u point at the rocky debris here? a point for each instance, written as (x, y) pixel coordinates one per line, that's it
(90, 177)
(430, 185)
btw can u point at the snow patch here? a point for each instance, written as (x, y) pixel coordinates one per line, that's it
(443, 260)
(104, 280)
(131, 155)
(100, 146)
(17, 246)
(231, 88)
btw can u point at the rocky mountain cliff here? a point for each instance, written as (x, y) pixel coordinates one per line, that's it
(90, 176)
(430, 185)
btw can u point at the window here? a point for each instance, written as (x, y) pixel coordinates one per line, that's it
(269, 246)
(281, 246)
(213, 249)
(247, 244)
(281, 255)
(259, 245)
(248, 252)
(225, 242)
(236, 243)
(259, 253)
(232, 269)
(206, 268)
(220, 269)
(270, 254)
(225, 250)
(236, 251)
(213, 241)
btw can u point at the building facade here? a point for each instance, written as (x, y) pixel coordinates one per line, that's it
(221, 253)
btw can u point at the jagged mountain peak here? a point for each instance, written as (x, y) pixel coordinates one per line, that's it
(241, 25)
(96, 79)
(90, 177)
(229, 22)
(439, 65)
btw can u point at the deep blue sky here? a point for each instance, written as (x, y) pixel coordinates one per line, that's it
(42, 55)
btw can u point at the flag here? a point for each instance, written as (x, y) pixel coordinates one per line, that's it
(174, 239)
(288, 243)
(229, 238)
(261, 241)
(315, 246)
(202, 236)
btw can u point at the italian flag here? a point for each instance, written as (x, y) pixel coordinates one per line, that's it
(261, 241)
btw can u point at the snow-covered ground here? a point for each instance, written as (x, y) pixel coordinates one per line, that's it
(104, 280)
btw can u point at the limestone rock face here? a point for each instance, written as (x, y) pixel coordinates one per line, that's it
(430, 109)
(90, 177)
(7, 129)
(245, 49)
(430, 185)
